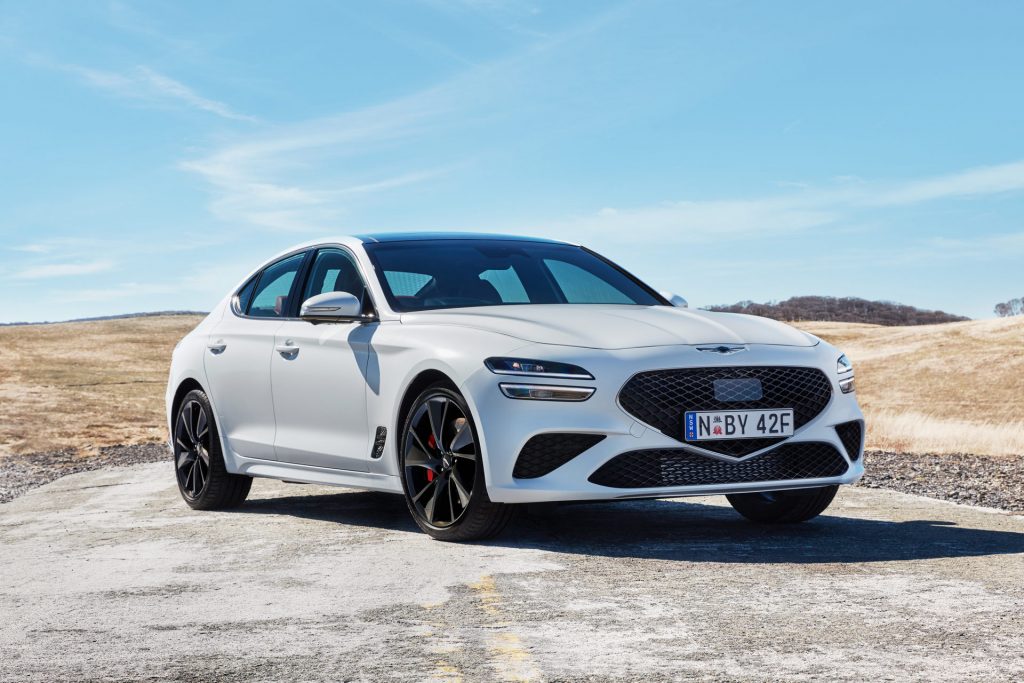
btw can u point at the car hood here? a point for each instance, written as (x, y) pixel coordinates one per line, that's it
(615, 326)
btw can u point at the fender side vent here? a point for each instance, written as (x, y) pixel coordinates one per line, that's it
(379, 439)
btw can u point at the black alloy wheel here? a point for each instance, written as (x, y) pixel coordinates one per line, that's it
(192, 449)
(442, 472)
(203, 479)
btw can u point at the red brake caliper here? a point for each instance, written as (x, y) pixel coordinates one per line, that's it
(433, 444)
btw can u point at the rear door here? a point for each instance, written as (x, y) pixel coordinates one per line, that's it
(238, 357)
(319, 375)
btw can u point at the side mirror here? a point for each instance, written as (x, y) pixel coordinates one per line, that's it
(675, 299)
(332, 307)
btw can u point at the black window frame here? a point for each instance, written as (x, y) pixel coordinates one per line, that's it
(367, 303)
(299, 284)
(291, 312)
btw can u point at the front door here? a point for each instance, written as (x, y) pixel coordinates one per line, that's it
(318, 374)
(238, 358)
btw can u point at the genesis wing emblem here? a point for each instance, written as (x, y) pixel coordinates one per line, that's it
(722, 349)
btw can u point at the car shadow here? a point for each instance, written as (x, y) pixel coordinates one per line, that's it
(671, 530)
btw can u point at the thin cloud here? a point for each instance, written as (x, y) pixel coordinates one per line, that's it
(983, 180)
(146, 84)
(307, 176)
(177, 90)
(701, 221)
(265, 180)
(59, 270)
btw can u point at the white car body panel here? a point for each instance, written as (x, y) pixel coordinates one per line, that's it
(319, 394)
(312, 417)
(611, 326)
(239, 382)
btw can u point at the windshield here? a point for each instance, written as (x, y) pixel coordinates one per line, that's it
(424, 275)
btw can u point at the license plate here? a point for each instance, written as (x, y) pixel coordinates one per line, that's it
(737, 424)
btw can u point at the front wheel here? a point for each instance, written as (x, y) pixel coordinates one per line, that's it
(442, 471)
(783, 507)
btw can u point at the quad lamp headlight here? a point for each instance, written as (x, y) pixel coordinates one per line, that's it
(845, 370)
(527, 367)
(536, 368)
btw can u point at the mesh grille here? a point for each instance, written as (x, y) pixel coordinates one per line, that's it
(677, 467)
(661, 397)
(851, 433)
(545, 453)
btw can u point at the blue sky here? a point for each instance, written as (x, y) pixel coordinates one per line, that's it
(154, 152)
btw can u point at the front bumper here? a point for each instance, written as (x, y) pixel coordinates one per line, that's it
(505, 425)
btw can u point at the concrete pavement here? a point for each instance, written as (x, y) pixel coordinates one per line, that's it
(107, 575)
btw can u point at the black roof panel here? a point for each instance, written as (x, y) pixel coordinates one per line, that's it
(423, 236)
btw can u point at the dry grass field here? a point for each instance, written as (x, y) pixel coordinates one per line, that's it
(85, 385)
(953, 388)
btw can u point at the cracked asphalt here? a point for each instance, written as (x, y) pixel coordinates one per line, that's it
(107, 575)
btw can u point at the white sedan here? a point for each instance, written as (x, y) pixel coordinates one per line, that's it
(472, 373)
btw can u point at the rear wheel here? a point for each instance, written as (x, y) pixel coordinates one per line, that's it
(203, 479)
(442, 471)
(783, 507)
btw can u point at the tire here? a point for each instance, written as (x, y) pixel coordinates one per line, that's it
(203, 479)
(434, 478)
(783, 507)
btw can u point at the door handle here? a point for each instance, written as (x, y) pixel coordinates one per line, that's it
(287, 349)
(217, 346)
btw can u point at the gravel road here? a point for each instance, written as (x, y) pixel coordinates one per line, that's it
(109, 576)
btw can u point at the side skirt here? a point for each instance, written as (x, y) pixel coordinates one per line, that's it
(306, 474)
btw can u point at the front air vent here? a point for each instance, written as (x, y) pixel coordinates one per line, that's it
(545, 453)
(677, 467)
(852, 436)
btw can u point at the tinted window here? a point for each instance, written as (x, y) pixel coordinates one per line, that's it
(244, 295)
(507, 284)
(428, 274)
(271, 297)
(334, 271)
(406, 284)
(583, 287)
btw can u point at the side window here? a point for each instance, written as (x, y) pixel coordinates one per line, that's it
(334, 271)
(582, 287)
(507, 284)
(244, 295)
(270, 300)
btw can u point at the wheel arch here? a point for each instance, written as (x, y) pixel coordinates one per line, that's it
(415, 387)
(188, 384)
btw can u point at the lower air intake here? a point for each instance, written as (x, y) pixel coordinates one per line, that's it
(851, 434)
(677, 467)
(545, 453)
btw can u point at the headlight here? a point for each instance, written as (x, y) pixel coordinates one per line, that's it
(536, 368)
(845, 369)
(538, 392)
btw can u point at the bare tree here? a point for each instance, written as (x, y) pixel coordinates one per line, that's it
(846, 309)
(1010, 308)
